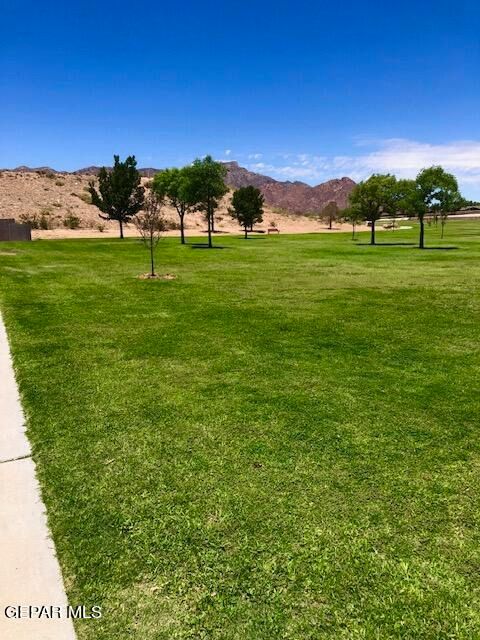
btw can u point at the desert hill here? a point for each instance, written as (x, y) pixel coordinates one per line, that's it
(296, 197)
(56, 202)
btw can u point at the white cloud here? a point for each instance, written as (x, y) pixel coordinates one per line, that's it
(254, 156)
(227, 152)
(404, 158)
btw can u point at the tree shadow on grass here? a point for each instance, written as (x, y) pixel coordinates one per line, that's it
(439, 248)
(204, 245)
(387, 244)
(404, 244)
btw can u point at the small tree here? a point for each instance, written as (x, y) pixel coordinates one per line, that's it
(150, 224)
(451, 201)
(119, 195)
(373, 198)
(353, 216)
(247, 207)
(207, 187)
(175, 185)
(330, 213)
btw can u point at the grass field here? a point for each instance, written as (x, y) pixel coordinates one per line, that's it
(282, 443)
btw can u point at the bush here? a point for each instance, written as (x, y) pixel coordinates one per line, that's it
(86, 197)
(44, 222)
(172, 225)
(59, 183)
(71, 221)
(30, 219)
(100, 227)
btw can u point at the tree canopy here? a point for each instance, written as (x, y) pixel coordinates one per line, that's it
(330, 213)
(175, 185)
(207, 184)
(433, 190)
(374, 198)
(247, 207)
(120, 195)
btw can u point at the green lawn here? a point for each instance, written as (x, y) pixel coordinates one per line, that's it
(282, 443)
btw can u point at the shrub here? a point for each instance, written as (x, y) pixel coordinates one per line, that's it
(59, 183)
(100, 227)
(30, 219)
(172, 225)
(71, 221)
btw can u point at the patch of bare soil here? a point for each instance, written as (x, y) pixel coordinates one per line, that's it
(157, 276)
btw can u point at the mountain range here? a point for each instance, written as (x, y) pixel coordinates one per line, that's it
(295, 197)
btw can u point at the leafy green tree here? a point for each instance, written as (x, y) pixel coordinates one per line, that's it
(150, 224)
(175, 185)
(433, 190)
(207, 184)
(120, 195)
(330, 213)
(353, 216)
(247, 207)
(374, 198)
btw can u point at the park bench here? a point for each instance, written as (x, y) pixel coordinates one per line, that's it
(272, 230)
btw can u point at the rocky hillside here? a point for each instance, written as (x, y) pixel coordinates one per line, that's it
(295, 197)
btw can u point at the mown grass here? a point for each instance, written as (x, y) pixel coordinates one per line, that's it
(281, 443)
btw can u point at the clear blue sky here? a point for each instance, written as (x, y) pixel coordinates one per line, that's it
(298, 90)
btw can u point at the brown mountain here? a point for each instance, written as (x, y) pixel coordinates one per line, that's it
(298, 197)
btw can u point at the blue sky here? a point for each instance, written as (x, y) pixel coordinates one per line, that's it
(297, 90)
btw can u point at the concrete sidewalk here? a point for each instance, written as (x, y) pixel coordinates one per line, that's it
(29, 571)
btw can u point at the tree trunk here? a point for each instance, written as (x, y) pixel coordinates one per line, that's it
(330, 221)
(353, 232)
(209, 226)
(213, 223)
(182, 229)
(121, 228)
(372, 233)
(443, 227)
(246, 231)
(421, 244)
(152, 263)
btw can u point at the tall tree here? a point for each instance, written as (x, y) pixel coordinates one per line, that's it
(247, 207)
(175, 185)
(353, 216)
(150, 224)
(120, 195)
(433, 190)
(207, 183)
(330, 213)
(374, 198)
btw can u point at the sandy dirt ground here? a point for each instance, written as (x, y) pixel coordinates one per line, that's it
(294, 226)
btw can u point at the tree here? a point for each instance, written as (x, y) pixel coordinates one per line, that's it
(174, 184)
(247, 207)
(330, 213)
(121, 195)
(433, 190)
(451, 201)
(353, 216)
(373, 198)
(150, 224)
(207, 187)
